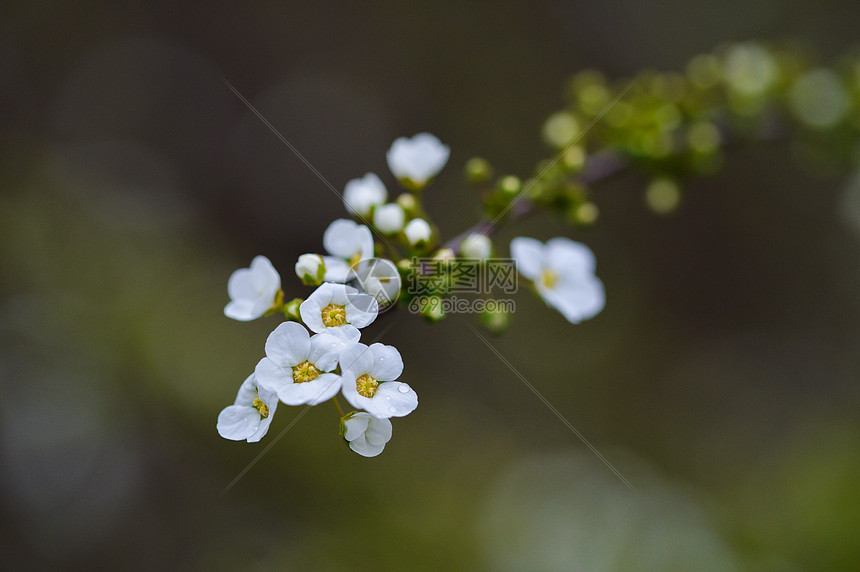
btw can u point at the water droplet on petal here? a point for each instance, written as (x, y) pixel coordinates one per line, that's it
(392, 410)
(403, 388)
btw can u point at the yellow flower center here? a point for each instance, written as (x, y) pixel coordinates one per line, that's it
(261, 407)
(305, 372)
(333, 316)
(366, 385)
(356, 258)
(549, 279)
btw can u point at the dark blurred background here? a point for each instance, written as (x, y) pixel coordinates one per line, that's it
(720, 380)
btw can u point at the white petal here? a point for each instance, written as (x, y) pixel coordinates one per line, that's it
(271, 401)
(364, 448)
(336, 293)
(240, 285)
(358, 359)
(327, 347)
(247, 391)
(565, 255)
(311, 308)
(387, 363)
(313, 392)
(529, 254)
(577, 301)
(364, 238)
(378, 431)
(359, 195)
(392, 399)
(361, 310)
(271, 376)
(265, 300)
(336, 269)
(238, 422)
(355, 426)
(341, 238)
(242, 310)
(263, 274)
(289, 345)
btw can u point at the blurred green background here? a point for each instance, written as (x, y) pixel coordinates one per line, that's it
(720, 380)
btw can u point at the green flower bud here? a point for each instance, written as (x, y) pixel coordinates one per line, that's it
(495, 321)
(478, 171)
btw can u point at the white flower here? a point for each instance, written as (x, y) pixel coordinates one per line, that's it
(366, 434)
(368, 381)
(253, 291)
(389, 218)
(417, 231)
(360, 195)
(415, 161)
(476, 246)
(334, 306)
(311, 269)
(563, 274)
(347, 242)
(250, 415)
(295, 365)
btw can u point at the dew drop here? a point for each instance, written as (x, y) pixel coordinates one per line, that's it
(403, 388)
(392, 410)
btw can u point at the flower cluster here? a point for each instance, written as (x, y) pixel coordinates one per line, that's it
(316, 354)
(303, 367)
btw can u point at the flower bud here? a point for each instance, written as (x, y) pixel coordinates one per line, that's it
(389, 219)
(496, 320)
(417, 231)
(478, 171)
(431, 309)
(510, 185)
(311, 269)
(408, 203)
(476, 246)
(291, 309)
(444, 254)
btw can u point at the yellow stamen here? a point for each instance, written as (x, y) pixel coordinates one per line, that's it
(260, 406)
(549, 279)
(333, 316)
(366, 385)
(305, 372)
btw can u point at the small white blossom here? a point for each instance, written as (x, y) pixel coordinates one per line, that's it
(366, 434)
(311, 269)
(296, 365)
(476, 246)
(334, 306)
(417, 160)
(389, 219)
(417, 231)
(347, 242)
(361, 195)
(250, 415)
(563, 274)
(253, 291)
(368, 381)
